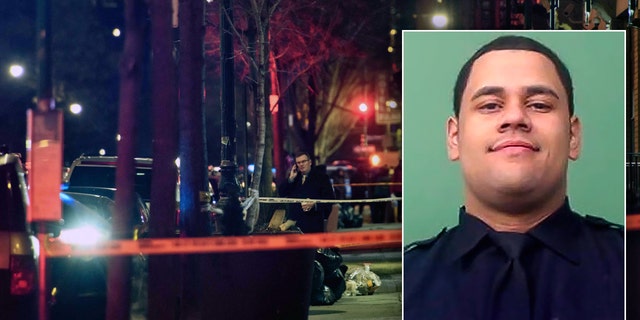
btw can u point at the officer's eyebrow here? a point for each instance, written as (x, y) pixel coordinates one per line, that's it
(488, 91)
(541, 89)
(529, 91)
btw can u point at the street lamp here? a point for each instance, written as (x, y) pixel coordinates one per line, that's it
(16, 70)
(439, 21)
(363, 108)
(75, 108)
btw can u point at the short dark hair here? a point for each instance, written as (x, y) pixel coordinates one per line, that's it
(300, 154)
(511, 42)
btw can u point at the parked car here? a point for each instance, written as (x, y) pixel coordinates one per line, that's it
(78, 284)
(18, 247)
(100, 171)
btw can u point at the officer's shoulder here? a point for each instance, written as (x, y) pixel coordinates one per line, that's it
(425, 244)
(601, 224)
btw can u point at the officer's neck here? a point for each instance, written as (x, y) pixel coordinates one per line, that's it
(513, 216)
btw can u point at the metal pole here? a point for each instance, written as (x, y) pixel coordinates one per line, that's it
(228, 166)
(553, 5)
(43, 312)
(629, 12)
(366, 140)
(45, 103)
(43, 55)
(528, 7)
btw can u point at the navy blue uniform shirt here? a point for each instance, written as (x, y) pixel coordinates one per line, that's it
(575, 270)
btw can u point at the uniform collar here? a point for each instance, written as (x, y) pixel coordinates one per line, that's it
(560, 232)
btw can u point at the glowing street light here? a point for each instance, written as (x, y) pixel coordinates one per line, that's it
(439, 21)
(16, 70)
(75, 108)
(116, 32)
(375, 160)
(363, 108)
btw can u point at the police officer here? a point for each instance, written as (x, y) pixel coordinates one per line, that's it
(519, 250)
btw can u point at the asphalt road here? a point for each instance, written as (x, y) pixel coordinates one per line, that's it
(379, 306)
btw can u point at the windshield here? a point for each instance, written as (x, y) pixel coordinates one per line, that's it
(12, 199)
(105, 177)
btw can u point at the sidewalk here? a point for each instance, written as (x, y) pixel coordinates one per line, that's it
(378, 306)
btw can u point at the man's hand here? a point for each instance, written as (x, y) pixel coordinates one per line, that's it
(287, 224)
(293, 173)
(307, 205)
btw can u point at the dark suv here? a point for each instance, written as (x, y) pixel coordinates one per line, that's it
(100, 171)
(18, 246)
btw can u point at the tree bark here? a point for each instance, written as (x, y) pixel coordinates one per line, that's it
(194, 222)
(119, 267)
(261, 15)
(193, 168)
(162, 269)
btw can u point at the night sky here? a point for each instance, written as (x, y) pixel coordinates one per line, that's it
(85, 57)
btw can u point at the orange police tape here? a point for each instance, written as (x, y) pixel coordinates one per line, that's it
(377, 238)
(633, 222)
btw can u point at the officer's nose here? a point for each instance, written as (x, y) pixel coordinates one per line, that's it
(515, 117)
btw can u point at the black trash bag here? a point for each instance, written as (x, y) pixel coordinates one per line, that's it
(321, 295)
(336, 282)
(329, 258)
(329, 297)
(334, 270)
(317, 284)
(347, 218)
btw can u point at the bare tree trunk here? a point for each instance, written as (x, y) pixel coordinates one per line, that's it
(262, 54)
(266, 190)
(310, 137)
(193, 168)
(119, 267)
(162, 269)
(194, 222)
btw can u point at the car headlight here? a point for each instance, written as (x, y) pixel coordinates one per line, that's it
(85, 236)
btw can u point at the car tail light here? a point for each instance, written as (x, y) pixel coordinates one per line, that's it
(23, 275)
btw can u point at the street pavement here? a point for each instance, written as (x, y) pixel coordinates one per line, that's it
(384, 304)
(378, 306)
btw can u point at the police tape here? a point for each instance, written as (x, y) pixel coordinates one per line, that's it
(363, 184)
(633, 222)
(296, 200)
(157, 246)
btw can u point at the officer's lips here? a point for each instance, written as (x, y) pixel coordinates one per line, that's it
(513, 144)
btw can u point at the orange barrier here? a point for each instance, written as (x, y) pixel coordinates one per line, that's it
(386, 238)
(633, 222)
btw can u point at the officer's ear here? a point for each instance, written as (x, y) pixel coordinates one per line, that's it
(452, 139)
(575, 138)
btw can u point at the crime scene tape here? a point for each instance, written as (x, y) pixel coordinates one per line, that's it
(296, 200)
(362, 184)
(633, 222)
(382, 238)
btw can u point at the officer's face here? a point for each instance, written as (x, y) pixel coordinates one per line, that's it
(514, 134)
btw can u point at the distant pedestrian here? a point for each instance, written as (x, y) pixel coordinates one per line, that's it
(396, 188)
(214, 180)
(380, 190)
